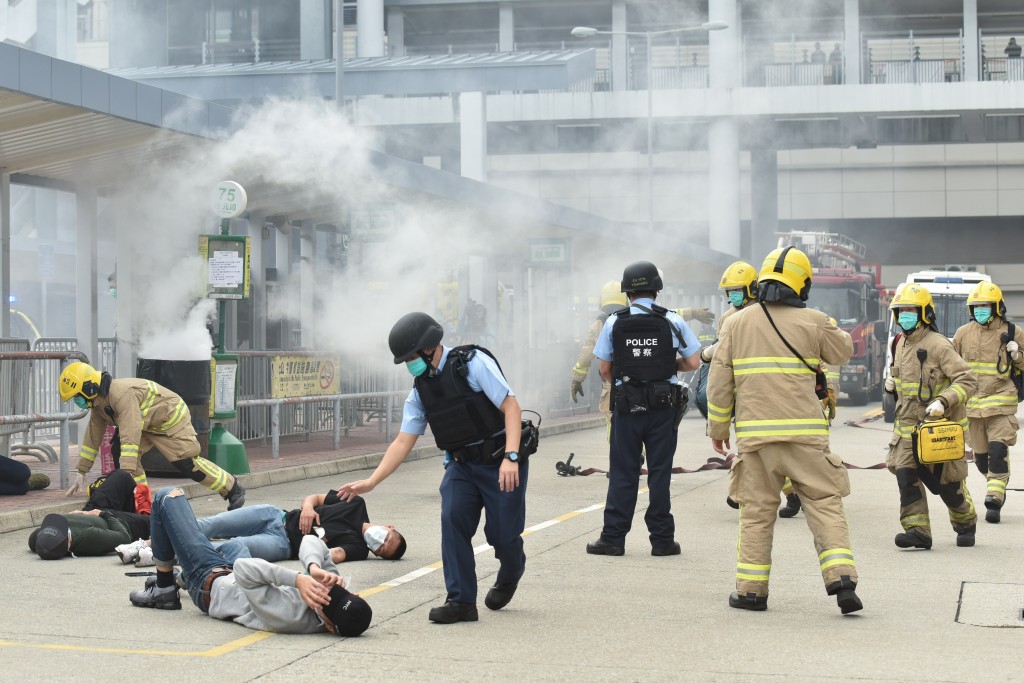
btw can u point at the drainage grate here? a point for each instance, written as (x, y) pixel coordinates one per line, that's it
(995, 605)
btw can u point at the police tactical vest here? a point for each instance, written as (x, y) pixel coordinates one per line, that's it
(642, 347)
(457, 415)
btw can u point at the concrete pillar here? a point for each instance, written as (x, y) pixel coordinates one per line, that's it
(506, 28)
(724, 46)
(126, 233)
(851, 46)
(370, 28)
(724, 186)
(620, 54)
(86, 273)
(473, 135)
(4, 31)
(396, 32)
(257, 283)
(764, 202)
(971, 51)
(307, 284)
(57, 28)
(314, 29)
(5, 254)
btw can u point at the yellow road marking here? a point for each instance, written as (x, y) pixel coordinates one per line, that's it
(874, 413)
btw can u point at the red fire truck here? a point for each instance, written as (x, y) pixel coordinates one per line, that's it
(849, 289)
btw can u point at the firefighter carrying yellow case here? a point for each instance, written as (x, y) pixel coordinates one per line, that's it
(938, 441)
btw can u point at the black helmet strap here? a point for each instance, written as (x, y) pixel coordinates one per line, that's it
(781, 263)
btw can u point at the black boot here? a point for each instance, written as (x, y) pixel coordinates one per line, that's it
(791, 507)
(453, 612)
(750, 601)
(965, 537)
(992, 510)
(500, 594)
(846, 597)
(732, 503)
(913, 539)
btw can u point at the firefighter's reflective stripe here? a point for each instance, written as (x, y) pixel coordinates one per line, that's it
(961, 395)
(179, 412)
(910, 388)
(792, 427)
(903, 431)
(151, 396)
(218, 475)
(911, 521)
(719, 414)
(140, 479)
(88, 453)
(580, 370)
(832, 375)
(772, 365)
(753, 572)
(995, 487)
(980, 368)
(836, 556)
(129, 450)
(981, 402)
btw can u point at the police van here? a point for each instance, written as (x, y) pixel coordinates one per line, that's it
(949, 290)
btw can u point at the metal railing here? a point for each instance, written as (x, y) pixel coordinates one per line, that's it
(371, 381)
(337, 403)
(29, 400)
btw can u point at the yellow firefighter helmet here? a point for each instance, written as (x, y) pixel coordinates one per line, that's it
(611, 294)
(914, 295)
(79, 378)
(791, 267)
(987, 293)
(740, 275)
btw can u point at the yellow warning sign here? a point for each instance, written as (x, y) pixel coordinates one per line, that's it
(292, 376)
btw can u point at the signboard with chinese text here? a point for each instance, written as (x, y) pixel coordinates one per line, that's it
(298, 375)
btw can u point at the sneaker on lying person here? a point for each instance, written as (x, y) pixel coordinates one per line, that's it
(153, 596)
(129, 552)
(145, 558)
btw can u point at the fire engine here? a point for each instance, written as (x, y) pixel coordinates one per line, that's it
(849, 289)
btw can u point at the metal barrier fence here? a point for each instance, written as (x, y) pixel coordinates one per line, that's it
(28, 386)
(366, 384)
(45, 398)
(337, 404)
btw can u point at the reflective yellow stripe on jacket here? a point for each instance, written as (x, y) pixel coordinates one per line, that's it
(980, 368)
(150, 399)
(179, 412)
(760, 365)
(88, 453)
(981, 402)
(719, 414)
(812, 426)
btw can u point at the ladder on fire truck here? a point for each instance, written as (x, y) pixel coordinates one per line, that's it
(826, 249)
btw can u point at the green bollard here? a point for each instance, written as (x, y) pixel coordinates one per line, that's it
(226, 451)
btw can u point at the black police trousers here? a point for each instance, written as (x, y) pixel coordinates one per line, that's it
(631, 433)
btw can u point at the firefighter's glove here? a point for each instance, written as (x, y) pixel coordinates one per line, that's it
(828, 404)
(706, 354)
(890, 385)
(935, 409)
(577, 390)
(77, 485)
(699, 314)
(1013, 349)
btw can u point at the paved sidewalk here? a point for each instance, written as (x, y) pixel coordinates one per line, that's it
(299, 459)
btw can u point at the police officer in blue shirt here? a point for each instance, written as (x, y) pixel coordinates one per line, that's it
(474, 416)
(638, 349)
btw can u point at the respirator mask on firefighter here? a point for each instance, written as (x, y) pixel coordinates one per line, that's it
(82, 402)
(736, 297)
(982, 314)
(375, 537)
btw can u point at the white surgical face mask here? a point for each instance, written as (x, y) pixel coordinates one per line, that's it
(375, 537)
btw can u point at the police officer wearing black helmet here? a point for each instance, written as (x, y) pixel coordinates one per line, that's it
(638, 350)
(475, 418)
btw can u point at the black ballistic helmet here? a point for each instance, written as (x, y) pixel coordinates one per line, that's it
(642, 276)
(413, 332)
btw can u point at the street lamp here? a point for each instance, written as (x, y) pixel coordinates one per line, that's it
(589, 32)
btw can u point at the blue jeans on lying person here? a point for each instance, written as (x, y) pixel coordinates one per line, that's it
(252, 531)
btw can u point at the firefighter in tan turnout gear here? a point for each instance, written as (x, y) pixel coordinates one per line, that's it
(993, 353)
(146, 415)
(929, 379)
(769, 351)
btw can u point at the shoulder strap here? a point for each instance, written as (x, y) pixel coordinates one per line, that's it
(792, 350)
(892, 347)
(467, 352)
(675, 330)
